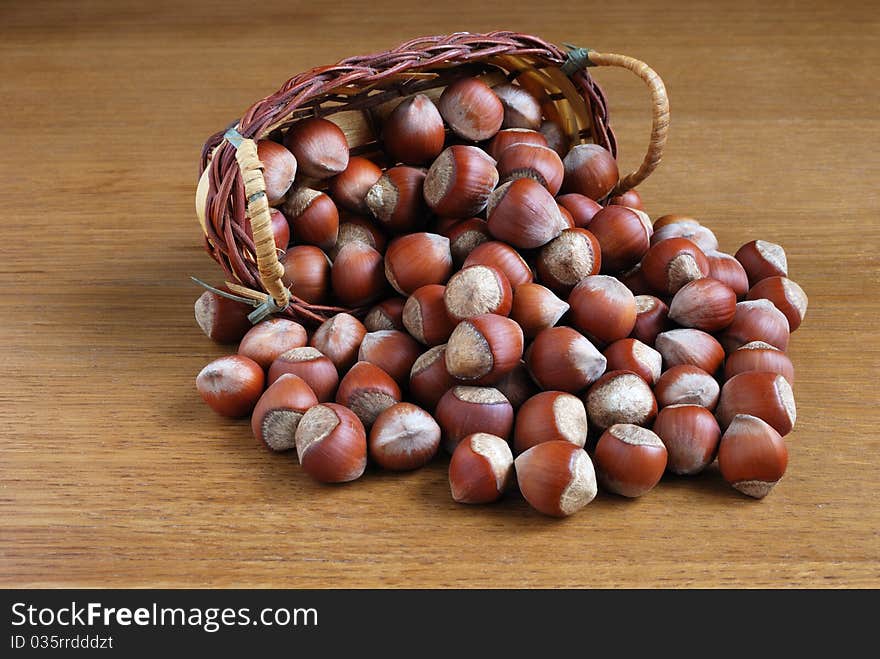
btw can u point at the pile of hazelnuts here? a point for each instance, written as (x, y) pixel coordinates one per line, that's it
(501, 310)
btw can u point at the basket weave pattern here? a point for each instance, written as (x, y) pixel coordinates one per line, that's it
(366, 88)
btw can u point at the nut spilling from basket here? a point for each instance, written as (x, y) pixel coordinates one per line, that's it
(510, 306)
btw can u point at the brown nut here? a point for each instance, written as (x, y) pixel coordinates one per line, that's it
(231, 385)
(483, 349)
(313, 217)
(279, 169)
(539, 163)
(761, 259)
(463, 411)
(358, 275)
(672, 263)
(475, 290)
(509, 136)
(413, 133)
(555, 137)
(687, 385)
(355, 229)
(590, 170)
(393, 351)
(265, 341)
(582, 209)
(752, 456)
(704, 304)
(313, 367)
(416, 260)
(307, 273)
(630, 199)
(387, 315)
(758, 356)
(429, 379)
(633, 355)
(349, 188)
(425, 316)
(651, 319)
(550, 416)
(536, 308)
(767, 396)
(701, 236)
(331, 444)
(279, 411)
(567, 259)
(465, 236)
(690, 434)
(471, 109)
(690, 346)
(630, 460)
(556, 478)
(521, 109)
(517, 386)
(620, 397)
(460, 181)
(505, 258)
(397, 201)
(480, 469)
(756, 320)
(221, 319)
(524, 214)
(367, 391)
(785, 295)
(562, 359)
(603, 308)
(623, 235)
(404, 437)
(729, 271)
(339, 339)
(319, 146)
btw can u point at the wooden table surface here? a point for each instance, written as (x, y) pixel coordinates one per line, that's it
(112, 471)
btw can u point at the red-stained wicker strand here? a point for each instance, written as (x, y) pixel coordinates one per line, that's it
(362, 82)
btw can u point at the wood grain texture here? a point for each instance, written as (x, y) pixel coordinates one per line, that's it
(112, 471)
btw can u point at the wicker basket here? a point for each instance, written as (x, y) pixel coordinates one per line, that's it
(357, 93)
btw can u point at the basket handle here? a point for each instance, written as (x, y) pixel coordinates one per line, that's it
(251, 168)
(583, 57)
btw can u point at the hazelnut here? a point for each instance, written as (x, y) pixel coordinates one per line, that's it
(313, 367)
(539, 163)
(387, 315)
(603, 308)
(555, 137)
(358, 275)
(403, 437)
(313, 217)
(425, 316)
(673, 218)
(752, 456)
(704, 304)
(756, 320)
(475, 290)
(550, 416)
(630, 199)
(429, 379)
(687, 385)
(307, 273)
(524, 214)
(651, 319)
(279, 169)
(567, 259)
(761, 259)
(463, 411)
(517, 386)
(367, 391)
(459, 182)
(689, 346)
(279, 410)
(480, 469)
(696, 233)
(417, 259)
(633, 355)
(332, 444)
(521, 109)
(620, 397)
(231, 385)
(562, 359)
(319, 146)
(509, 136)
(690, 434)
(221, 319)
(465, 236)
(483, 349)
(535, 308)
(393, 351)
(339, 339)
(630, 460)
(265, 341)
(758, 356)
(590, 170)
(356, 229)
(582, 209)
(729, 271)
(349, 188)
(556, 478)
(623, 236)
(413, 133)
(471, 109)
(505, 258)
(785, 295)
(396, 199)
(669, 265)
(767, 396)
